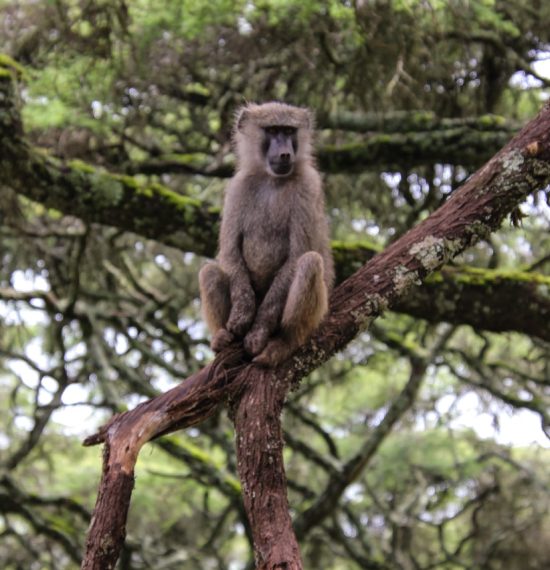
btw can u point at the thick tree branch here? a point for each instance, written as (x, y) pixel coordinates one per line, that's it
(261, 468)
(483, 299)
(95, 195)
(463, 144)
(412, 121)
(475, 210)
(467, 295)
(200, 396)
(401, 139)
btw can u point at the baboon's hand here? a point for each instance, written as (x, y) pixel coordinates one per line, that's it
(240, 319)
(222, 339)
(255, 340)
(243, 308)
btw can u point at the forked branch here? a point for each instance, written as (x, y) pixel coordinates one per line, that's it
(257, 395)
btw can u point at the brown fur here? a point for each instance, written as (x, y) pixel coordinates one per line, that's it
(274, 270)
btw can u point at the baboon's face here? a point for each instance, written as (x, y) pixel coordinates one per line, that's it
(280, 145)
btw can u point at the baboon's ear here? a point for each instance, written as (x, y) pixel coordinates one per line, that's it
(242, 118)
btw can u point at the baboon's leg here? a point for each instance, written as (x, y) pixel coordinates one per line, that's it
(216, 303)
(307, 301)
(305, 306)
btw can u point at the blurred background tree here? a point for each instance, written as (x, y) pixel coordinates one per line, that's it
(445, 400)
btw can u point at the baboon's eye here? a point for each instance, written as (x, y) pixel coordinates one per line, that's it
(273, 130)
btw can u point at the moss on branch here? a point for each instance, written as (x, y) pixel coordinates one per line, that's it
(97, 196)
(461, 144)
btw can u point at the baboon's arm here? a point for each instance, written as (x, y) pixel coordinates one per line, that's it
(243, 299)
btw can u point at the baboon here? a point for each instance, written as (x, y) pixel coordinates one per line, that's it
(274, 271)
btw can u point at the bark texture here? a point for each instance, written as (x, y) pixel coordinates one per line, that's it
(115, 495)
(261, 469)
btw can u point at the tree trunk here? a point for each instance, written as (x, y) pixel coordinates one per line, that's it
(259, 442)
